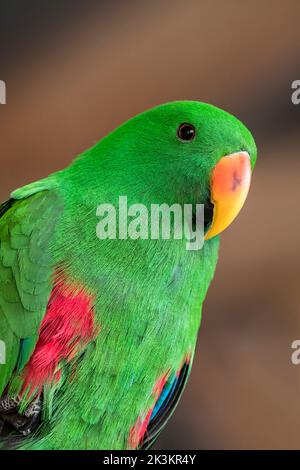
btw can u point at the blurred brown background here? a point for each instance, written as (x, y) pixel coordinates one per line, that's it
(74, 70)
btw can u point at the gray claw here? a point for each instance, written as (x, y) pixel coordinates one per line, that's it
(34, 408)
(23, 423)
(8, 404)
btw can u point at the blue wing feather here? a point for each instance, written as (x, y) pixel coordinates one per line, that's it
(165, 405)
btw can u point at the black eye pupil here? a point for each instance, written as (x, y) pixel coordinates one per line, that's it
(186, 132)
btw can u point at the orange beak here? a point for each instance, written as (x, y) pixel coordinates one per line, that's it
(230, 182)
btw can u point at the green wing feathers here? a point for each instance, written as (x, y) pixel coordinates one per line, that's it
(27, 228)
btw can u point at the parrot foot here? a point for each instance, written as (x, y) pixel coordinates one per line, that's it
(8, 404)
(23, 423)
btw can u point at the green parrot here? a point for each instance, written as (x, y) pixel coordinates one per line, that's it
(97, 336)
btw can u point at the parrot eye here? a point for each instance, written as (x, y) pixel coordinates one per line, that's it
(186, 132)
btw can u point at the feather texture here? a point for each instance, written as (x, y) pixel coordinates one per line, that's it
(102, 332)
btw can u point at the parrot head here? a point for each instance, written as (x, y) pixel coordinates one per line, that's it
(184, 152)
